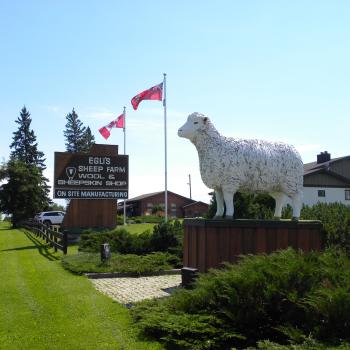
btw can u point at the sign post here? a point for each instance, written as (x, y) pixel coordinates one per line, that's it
(80, 176)
(93, 181)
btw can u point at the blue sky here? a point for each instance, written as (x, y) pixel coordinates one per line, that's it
(276, 70)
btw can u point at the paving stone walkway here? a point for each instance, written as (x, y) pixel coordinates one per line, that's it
(127, 290)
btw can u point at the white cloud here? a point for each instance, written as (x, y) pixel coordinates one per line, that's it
(308, 147)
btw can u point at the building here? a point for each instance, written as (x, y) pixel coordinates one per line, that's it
(178, 206)
(327, 180)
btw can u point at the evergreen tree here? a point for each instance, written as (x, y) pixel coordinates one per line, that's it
(88, 140)
(24, 145)
(25, 191)
(21, 195)
(75, 133)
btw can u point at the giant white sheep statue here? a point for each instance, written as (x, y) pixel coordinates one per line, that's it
(228, 165)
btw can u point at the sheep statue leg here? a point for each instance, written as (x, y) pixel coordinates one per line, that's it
(219, 204)
(279, 198)
(228, 198)
(297, 202)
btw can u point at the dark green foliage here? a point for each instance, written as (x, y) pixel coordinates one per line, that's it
(24, 173)
(56, 207)
(309, 344)
(283, 297)
(212, 206)
(168, 236)
(248, 206)
(128, 263)
(78, 137)
(120, 241)
(24, 145)
(165, 237)
(156, 209)
(22, 196)
(335, 218)
(88, 140)
(253, 206)
(26, 191)
(287, 212)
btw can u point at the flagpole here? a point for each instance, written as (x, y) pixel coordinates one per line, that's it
(165, 151)
(124, 154)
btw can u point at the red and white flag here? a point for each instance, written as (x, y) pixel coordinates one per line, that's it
(105, 131)
(154, 93)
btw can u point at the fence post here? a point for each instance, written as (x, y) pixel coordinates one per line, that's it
(65, 241)
(55, 239)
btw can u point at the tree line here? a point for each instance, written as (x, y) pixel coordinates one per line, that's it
(25, 190)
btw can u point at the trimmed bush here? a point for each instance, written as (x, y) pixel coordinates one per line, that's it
(309, 344)
(166, 237)
(128, 263)
(283, 297)
(120, 241)
(335, 218)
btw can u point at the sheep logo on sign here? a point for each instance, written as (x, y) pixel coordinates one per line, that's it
(70, 171)
(228, 165)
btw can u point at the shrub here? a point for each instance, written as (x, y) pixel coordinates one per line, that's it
(168, 237)
(165, 237)
(309, 344)
(283, 297)
(247, 206)
(120, 220)
(120, 241)
(335, 218)
(128, 263)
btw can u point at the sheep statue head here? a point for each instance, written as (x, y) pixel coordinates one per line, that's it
(228, 165)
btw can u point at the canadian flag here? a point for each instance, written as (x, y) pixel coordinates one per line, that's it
(117, 123)
(154, 93)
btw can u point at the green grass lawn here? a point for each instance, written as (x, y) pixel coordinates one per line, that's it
(43, 306)
(138, 228)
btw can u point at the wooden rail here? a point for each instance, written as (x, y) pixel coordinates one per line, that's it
(51, 234)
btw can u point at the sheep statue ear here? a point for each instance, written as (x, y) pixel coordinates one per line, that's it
(205, 119)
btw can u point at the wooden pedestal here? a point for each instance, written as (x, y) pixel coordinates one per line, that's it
(209, 243)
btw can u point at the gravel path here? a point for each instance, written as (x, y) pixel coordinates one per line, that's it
(128, 290)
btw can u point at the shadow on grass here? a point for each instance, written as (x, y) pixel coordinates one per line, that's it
(19, 248)
(43, 248)
(6, 228)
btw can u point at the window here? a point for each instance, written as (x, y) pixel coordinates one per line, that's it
(322, 193)
(347, 195)
(149, 209)
(173, 210)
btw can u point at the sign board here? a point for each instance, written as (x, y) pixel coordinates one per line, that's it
(84, 176)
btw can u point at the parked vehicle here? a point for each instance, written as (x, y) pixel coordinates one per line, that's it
(50, 217)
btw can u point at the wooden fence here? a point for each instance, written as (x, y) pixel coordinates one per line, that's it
(51, 234)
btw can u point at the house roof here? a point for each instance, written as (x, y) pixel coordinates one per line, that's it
(310, 168)
(143, 196)
(148, 195)
(329, 172)
(198, 202)
(315, 168)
